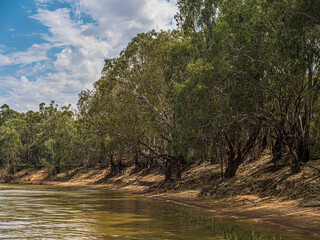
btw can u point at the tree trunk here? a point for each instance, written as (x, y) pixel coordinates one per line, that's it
(173, 168)
(112, 164)
(293, 150)
(294, 162)
(11, 168)
(233, 166)
(303, 151)
(168, 171)
(221, 161)
(230, 170)
(237, 154)
(277, 152)
(136, 159)
(178, 166)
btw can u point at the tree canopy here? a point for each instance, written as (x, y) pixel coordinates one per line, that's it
(237, 78)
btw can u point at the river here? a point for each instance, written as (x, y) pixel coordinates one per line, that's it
(48, 212)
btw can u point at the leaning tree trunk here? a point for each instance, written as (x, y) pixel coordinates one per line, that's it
(292, 149)
(294, 161)
(233, 165)
(237, 155)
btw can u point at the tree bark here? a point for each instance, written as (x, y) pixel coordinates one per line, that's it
(237, 154)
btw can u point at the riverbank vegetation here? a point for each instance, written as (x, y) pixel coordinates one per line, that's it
(237, 80)
(226, 230)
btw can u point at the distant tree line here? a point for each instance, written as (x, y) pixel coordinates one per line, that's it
(238, 78)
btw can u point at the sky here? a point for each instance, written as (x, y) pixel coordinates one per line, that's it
(54, 49)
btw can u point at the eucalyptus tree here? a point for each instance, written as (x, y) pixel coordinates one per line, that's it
(197, 15)
(102, 117)
(155, 73)
(6, 113)
(272, 48)
(129, 109)
(236, 70)
(213, 102)
(33, 129)
(11, 147)
(58, 138)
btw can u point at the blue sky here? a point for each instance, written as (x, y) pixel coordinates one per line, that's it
(53, 49)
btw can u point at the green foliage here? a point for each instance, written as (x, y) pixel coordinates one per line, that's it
(11, 148)
(48, 137)
(236, 75)
(216, 226)
(58, 138)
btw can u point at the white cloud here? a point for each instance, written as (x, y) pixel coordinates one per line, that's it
(39, 2)
(38, 69)
(5, 60)
(120, 22)
(22, 94)
(36, 53)
(84, 46)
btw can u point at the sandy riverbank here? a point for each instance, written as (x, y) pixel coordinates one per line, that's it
(295, 213)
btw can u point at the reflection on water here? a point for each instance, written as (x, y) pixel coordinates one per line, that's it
(42, 212)
(46, 212)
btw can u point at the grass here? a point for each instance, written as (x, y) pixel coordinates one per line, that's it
(219, 228)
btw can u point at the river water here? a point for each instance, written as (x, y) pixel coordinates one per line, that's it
(47, 212)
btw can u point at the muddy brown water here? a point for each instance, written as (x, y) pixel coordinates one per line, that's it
(47, 212)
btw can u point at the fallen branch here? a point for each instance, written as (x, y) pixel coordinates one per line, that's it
(243, 201)
(311, 205)
(315, 178)
(310, 166)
